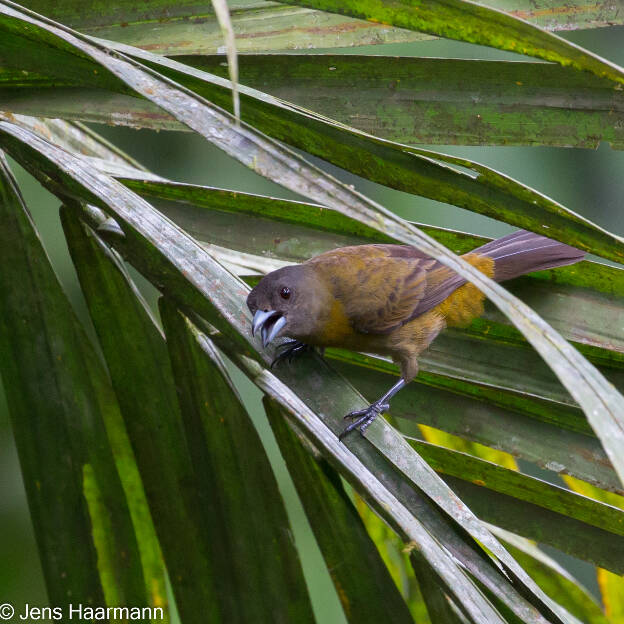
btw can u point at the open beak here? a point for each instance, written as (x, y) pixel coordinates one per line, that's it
(269, 323)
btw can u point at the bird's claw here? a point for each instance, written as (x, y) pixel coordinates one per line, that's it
(289, 350)
(364, 418)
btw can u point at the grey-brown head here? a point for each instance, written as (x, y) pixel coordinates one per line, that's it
(287, 302)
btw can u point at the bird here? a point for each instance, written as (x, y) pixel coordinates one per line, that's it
(392, 300)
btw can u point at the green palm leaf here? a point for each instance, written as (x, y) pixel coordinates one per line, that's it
(354, 563)
(475, 23)
(440, 101)
(192, 27)
(61, 404)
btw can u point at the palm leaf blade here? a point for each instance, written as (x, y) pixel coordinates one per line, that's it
(137, 360)
(475, 23)
(191, 26)
(256, 566)
(58, 403)
(440, 101)
(352, 558)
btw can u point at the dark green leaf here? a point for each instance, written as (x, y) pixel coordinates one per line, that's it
(439, 605)
(58, 398)
(441, 101)
(352, 559)
(496, 372)
(555, 580)
(137, 359)
(533, 508)
(255, 566)
(591, 544)
(190, 27)
(522, 487)
(475, 23)
(395, 556)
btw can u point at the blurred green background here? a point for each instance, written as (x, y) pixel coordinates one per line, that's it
(589, 182)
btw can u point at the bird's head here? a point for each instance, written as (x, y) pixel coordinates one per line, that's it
(287, 302)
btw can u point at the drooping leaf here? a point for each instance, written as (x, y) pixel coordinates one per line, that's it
(203, 504)
(468, 21)
(137, 360)
(512, 603)
(354, 564)
(79, 138)
(58, 399)
(255, 565)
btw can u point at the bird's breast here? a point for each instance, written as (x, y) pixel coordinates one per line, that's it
(335, 329)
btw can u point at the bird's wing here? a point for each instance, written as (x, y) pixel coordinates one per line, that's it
(379, 286)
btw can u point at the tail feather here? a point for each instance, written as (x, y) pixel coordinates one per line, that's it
(513, 255)
(524, 252)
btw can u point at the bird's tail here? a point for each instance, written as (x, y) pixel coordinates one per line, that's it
(524, 252)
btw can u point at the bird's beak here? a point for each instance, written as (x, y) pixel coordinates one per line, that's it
(269, 323)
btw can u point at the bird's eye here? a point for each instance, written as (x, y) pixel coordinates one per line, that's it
(285, 293)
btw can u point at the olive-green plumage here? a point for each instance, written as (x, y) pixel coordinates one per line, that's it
(389, 299)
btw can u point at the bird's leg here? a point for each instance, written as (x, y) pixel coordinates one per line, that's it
(366, 416)
(289, 349)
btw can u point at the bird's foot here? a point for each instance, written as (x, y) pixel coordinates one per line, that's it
(289, 350)
(364, 418)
